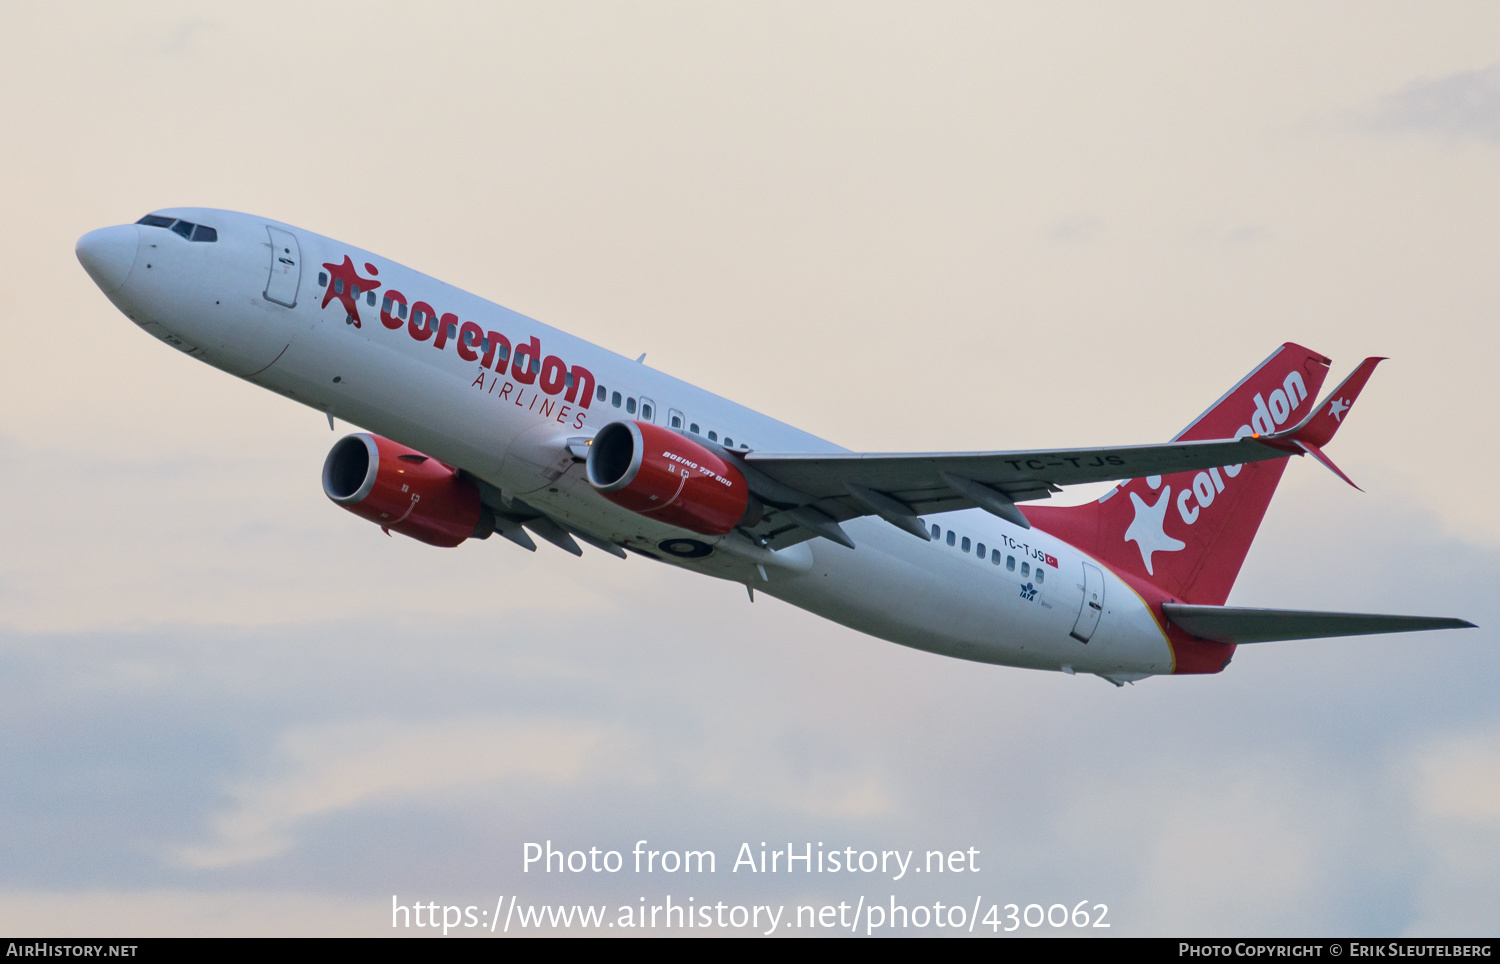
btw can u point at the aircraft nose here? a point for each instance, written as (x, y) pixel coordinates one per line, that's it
(108, 254)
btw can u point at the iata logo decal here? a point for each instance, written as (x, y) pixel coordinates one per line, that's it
(519, 373)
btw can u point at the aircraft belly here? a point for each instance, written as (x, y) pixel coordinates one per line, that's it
(940, 601)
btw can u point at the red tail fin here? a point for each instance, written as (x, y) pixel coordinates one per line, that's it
(1189, 533)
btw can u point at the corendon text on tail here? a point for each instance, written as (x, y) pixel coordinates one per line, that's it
(480, 421)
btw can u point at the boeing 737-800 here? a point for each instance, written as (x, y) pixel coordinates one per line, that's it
(482, 421)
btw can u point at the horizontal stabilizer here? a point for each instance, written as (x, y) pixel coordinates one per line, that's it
(1231, 624)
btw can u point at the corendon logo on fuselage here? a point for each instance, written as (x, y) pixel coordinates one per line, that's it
(1148, 529)
(533, 380)
(346, 285)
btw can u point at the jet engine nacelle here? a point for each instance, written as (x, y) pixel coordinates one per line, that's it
(668, 477)
(401, 489)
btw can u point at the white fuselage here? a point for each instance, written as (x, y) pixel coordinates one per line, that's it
(210, 299)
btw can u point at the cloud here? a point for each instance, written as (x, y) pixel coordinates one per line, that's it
(1465, 104)
(1231, 237)
(340, 767)
(183, 38)
(1075, 230)
(1459, 779)
(1454, 785)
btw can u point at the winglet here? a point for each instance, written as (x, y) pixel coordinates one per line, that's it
(1318, 454)
(1319, 427)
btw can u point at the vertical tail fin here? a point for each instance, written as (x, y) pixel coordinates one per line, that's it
(1189, 533)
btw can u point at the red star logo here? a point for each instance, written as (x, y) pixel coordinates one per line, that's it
(346, 285)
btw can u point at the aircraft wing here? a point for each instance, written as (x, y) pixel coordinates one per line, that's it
(1025, 475)
(809, 494)
(1229, 624)
(813, 492)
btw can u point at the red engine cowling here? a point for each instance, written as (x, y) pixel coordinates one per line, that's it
(399, 488)
(668, 477)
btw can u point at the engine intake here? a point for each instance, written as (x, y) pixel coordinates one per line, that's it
(669, 477)
(402, 490)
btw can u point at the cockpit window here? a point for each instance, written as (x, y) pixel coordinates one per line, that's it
(189, 230)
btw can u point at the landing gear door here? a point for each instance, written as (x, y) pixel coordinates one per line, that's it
(1093, 603)
(286, 268)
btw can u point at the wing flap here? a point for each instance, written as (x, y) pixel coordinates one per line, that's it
(1232, 624)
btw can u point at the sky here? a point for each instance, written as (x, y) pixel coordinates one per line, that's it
(230, 708)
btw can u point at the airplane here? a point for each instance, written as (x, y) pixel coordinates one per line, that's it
(481, 421)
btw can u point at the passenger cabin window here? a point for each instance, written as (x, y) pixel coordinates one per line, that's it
(728, 442)
(1010, 563)
(693, 428)
(677, 421)
(370, 299)
(323, 281)
(630, 406)
(1025, 569)
(966, 544)
(995, 556)
(951, 537)
(979, 550)
(1039, 574)
(602, 393)
(713, 436)
(645, 409)
(615, 399)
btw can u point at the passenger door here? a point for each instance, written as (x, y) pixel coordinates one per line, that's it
(286, 268)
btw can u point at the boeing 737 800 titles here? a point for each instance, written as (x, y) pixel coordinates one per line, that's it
(482, 421)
